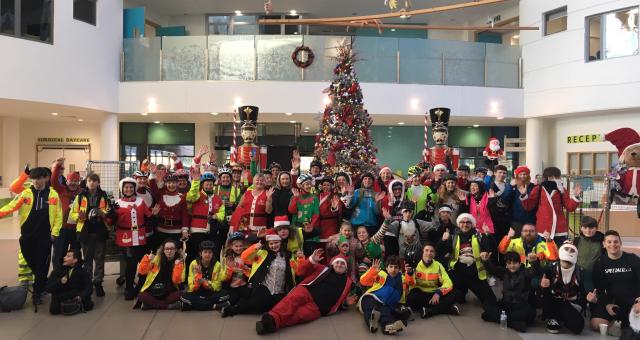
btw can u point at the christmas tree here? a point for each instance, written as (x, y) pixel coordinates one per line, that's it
(344, 141)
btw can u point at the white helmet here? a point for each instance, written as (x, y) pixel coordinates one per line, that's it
(128, 180)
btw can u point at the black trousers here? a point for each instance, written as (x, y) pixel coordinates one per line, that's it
(133, 255)
(416, 299)
(562, 311)
(204, 300)
(259, 301)
(369, 303)
(465, 278)
(37, 252)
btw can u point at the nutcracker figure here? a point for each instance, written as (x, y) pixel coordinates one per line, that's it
(441, 153)
(250, 155)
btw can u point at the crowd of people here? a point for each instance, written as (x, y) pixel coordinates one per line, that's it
(294, 247)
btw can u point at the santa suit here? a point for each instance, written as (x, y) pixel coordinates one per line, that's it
(299, 306)
(630, 182)
(173, 217)
(253, 209)
(329, 218)
(443, 155)
(550, 216)
(203, 208)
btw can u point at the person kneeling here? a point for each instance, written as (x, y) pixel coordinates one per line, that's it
(379, 304)
(323, 290)
(516, 285)
(165, 272)
(433, 292)
(70, 286)
(205, 281)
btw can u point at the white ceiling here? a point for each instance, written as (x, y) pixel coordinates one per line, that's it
(323, 8)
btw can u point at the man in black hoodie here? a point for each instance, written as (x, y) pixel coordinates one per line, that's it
(70, 282)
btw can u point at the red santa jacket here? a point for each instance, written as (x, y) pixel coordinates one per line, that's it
(203, 208)
(66, 197)
(250, 215)
(130, 223)
(550, 216)
(630, 181)
(329, 218)
(173, 215)
(313, 271)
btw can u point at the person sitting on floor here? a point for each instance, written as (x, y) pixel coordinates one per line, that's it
(516, 285)
(388, 288)
(323, 290)
(70, 286)
(433, 293)
(205, 281)
(165, 272)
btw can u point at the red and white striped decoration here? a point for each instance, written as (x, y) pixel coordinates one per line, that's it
(426, 136)
(235, 131)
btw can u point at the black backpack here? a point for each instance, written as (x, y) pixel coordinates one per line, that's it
(12, 298)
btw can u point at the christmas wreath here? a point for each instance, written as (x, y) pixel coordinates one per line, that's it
(295, 56)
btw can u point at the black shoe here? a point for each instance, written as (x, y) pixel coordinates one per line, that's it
(426, 313)
(37, 299)
(519, 326)
(373, 321)
(455, 310)
(268, 323)
(553, 326)
(219, 306)
(403, 313)
(99, 290)
(120, 281)
(129, 294)
(259, 327)
(226, 311)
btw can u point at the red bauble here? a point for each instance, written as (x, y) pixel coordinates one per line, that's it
(331, 159)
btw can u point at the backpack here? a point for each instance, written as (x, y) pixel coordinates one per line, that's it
(12, 298)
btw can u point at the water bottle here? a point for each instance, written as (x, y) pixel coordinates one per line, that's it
(503, 320)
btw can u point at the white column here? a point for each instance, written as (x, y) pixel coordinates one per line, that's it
(109, 143)
(535, 145)
(11, 166)
(203, 136)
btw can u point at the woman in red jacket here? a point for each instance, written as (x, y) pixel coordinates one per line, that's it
(330, 208)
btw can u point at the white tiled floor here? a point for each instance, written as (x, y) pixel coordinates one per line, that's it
(113, 318)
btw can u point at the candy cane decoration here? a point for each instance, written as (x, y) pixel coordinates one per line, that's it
(235, 148)
(426, 136)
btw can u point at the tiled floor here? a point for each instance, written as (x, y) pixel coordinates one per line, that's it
(113, 318)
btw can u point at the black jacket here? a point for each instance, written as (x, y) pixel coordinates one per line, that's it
(78, 283)
(515, 286)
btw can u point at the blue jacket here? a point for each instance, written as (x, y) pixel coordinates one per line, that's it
(363, 203)
(518, 213)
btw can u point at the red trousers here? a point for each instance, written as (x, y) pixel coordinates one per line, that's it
(295, 308)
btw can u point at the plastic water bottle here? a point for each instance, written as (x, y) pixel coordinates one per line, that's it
(503, 320)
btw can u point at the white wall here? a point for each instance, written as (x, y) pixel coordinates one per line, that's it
(81, 68)
(557, 79)
(306, 97)
(586, 124)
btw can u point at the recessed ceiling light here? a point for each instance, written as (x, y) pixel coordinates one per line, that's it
(293, 12)
(54, 113)
(306, 128)
(414, 103)
(288, 113)
(393, 30)
(237, 101)
(292, 121)
(157, 122)
(80, 120)
(400, 123)
(238, 12)
(499, 118)
(214, 113)
(517, 36)
(475, 125)
(144, 113)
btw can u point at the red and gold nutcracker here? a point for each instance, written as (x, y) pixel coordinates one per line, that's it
(441, 153)
(250, 155)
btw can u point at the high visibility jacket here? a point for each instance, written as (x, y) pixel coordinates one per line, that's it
(24, 202)
(432, 279)
(546, 251)
(255, 258)
(80, 205)
(151, 268)
(475, 247)
(213, 283)
(376, 278)
(203, 207)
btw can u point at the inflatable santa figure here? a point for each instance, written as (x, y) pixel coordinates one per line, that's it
(492, 152)
(627, 141)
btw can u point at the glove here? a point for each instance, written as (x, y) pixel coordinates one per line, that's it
(27, 170)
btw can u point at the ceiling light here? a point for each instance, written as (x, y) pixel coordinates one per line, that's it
(293, 12)
(214, 113)
(306, 128)
(144, 113)
(157, 122)
(292, 121)
(499, 118)
(238, 12)
(152, 105)
(237, 101)
(414, 103)
(80, 120)
(54, 113)
(288, 113)
(475, 125)
(517, 36)
(400, 123)
(393, 30)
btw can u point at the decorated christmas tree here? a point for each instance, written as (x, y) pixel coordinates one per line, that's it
(344, 141)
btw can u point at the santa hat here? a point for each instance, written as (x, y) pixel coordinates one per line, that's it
(272, 236)
(73, 176)
(491, 139)
(440, 166)
(623, 138)
(338, 258)
(384, 167)
(281, 221)
(521, 169)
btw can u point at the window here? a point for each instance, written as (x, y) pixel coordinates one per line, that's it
(244, 24)
(218, 24)
(591, 163)
(555, 21)
(29, 19)
(85, 10)
(612, 34)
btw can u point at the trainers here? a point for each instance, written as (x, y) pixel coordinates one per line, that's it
(99, 290)
(225, 311)
(455, 310)
(394, 327)
(492, 281)
(615, 329)
(425, 313)
(175, 305)
(373, 321)
(219, 306)
(553, 326)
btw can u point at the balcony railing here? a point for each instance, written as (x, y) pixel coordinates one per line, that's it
(381, 60)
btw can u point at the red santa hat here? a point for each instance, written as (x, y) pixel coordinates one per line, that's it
(520, 169)
(493, 139)
(623, 138)
(272, 236)
(281, 221)
(338, 258)
(73, 176)
(384, 167)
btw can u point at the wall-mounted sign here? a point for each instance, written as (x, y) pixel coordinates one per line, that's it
(584, 139)
(63, 140)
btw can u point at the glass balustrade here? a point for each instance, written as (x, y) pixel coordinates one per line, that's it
(265, 57)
